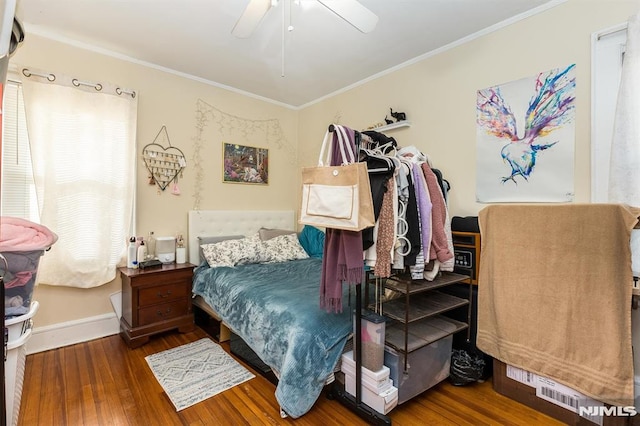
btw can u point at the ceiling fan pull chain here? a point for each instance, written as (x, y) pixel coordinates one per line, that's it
(290, 27)
(283, 38)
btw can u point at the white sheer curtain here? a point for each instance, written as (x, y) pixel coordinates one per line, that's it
(624, 170)
(82, 138)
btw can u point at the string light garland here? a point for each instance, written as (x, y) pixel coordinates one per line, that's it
(233, 127)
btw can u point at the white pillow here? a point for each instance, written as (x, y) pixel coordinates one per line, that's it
(283, 248)
(233, 252)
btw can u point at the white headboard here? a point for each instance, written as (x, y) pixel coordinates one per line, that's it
(219, 223)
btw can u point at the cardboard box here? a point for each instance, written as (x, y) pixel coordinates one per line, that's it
(525, 387)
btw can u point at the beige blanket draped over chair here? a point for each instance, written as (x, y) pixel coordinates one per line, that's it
(554, 294)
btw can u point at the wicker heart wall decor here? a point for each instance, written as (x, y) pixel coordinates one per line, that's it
(165, 164)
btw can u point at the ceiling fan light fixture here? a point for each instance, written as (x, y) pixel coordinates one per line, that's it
(251, 17)
(354, 13)
(350, 10)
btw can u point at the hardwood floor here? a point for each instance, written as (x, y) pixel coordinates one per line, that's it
(103, 382)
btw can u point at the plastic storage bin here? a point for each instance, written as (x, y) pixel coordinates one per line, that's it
(19, 276)
(373, 334)
(426, 367)
(17, 326)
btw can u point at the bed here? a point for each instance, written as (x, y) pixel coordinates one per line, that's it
(273, 307)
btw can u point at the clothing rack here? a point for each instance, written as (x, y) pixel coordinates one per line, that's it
(355, 404)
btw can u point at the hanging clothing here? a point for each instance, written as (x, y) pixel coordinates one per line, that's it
(424, 207)
(445, 187)
(342, 255)
(413, 224)
(439, 245)
(380, 171)
(341, 261)
(383, 142)
(424, 215)
(412, 229)
(386, 233)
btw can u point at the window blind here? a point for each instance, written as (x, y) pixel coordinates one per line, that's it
(17, 186)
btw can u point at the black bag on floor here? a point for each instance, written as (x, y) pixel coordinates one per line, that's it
(466, 367)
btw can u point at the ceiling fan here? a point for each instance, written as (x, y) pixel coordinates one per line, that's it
(349, 10)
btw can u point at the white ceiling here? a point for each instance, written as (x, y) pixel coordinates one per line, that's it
(322, 55)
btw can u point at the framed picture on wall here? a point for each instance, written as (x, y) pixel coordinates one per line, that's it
(245, 164)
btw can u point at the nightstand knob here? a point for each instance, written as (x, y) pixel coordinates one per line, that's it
(161, 314)
(164, 296)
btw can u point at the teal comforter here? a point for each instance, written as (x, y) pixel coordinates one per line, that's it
(275, 309)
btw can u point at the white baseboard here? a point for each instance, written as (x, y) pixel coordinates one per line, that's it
(69, 333)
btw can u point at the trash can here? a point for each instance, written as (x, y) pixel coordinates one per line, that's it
(373, 336)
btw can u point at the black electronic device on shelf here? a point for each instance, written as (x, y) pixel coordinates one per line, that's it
(153, 263)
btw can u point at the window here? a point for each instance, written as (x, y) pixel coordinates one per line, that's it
(82, 162)
(18, 190)
(608, 51)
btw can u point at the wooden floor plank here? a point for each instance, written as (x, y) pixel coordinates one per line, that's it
(103, 382)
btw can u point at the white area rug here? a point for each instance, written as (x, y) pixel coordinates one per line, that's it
(196, 371)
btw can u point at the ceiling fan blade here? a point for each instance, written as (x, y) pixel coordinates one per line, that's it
(251, 17)
(354, 13)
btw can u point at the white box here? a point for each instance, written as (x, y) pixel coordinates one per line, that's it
(377, 388)
(374, 377)
(382, 402)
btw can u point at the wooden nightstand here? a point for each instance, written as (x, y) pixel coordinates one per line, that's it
(155, 300)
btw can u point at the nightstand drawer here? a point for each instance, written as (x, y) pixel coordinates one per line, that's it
(163, 312)
(164, 293)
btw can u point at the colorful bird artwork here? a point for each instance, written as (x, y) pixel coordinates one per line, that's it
(551, 107)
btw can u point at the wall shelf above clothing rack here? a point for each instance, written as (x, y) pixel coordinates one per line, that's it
(392, 126)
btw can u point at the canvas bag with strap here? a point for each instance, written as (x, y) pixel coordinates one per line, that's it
(337, 197)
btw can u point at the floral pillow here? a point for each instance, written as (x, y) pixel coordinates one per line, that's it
(233, 252)
(202, 241)
(283, 248)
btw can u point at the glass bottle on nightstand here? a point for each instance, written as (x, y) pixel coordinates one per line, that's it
(151, 246)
